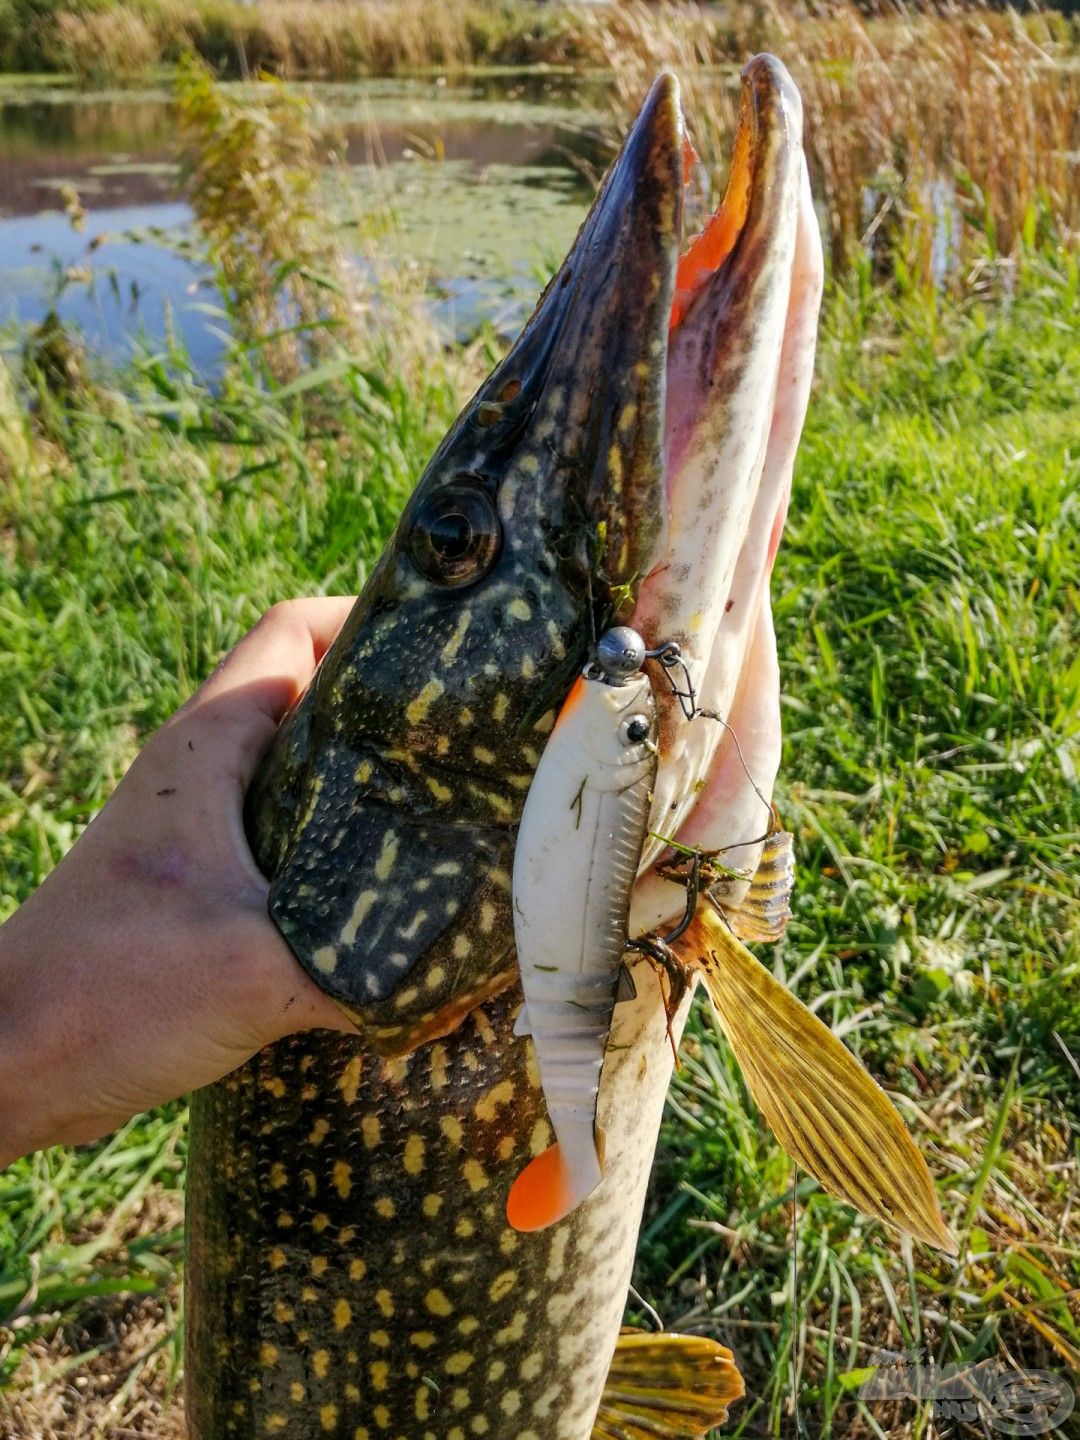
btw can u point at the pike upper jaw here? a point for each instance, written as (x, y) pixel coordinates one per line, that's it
(739, 369)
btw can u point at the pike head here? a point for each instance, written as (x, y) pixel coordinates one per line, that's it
(629, 459)
(385, 811)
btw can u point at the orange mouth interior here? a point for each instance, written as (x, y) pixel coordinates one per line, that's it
(708, 251)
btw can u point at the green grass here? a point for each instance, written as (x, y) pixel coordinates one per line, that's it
(928, 618)
(927, 602)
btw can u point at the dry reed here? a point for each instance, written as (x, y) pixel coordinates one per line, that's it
(937, 134)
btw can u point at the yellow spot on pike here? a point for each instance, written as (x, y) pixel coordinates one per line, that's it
(360, 911)
(422, 1339)
(319, 1264)
(283, 1314)
(501, 1286)
(357, 1269)
(381, 1338)
(514, 1331)
(371, 1131)
(342, 1178)
(416, 710)
(413, 1159)
(268, 1354)
(320, 1363)
(474, 1175)
(500, 1094)
(342, 1315)
(325, 959)
(328, 1417)
(484, 755)
(382, 1417)
(385, 1207)
(510, 1403)
(296, 1392)
(349, 1079)
(437, 1302)
(501, 706)
(451, 1128)
(519, 608)
(278, 1175)
(540, 1138)
(453, 645)
(319, 1131)
(431, 1206)
(439, 1058)
(385, 1301)
(532, 1365)
(487, 917)
(387, 856)
(469, 1325)
(379, 1371)
(276, 1421)
(442, 793)
(275, 1086)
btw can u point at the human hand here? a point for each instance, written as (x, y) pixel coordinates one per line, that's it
(146, 964)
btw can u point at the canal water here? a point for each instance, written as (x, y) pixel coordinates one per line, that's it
(485, 181)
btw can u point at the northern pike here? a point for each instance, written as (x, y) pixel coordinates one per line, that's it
(351, 1270)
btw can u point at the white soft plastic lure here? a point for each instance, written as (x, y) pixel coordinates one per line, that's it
(578, 850)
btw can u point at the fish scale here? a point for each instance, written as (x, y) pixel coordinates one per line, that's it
(389, 1293)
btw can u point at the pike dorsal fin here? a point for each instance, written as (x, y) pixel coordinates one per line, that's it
(762, 915)
(677, 1387)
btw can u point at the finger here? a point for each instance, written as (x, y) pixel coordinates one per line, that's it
(227, 724)
(274, 661)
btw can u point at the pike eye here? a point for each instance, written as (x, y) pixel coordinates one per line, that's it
(636, 729)
(456, 536)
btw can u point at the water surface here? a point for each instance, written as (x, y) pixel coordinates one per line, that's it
(482, 182)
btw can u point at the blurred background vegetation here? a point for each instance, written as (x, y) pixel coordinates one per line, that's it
(927, 606)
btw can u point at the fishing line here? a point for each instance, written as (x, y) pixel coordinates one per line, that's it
(670, 658)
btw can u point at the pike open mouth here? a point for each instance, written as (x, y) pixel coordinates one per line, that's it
(739, 361)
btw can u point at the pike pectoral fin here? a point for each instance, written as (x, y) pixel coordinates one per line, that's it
(553, 1184)
(820, 1103)
(673, 1386)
